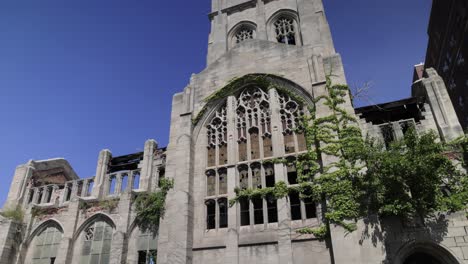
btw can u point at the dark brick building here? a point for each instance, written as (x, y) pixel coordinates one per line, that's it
(447, 51)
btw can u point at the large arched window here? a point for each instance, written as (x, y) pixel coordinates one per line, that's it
(96, 242)
(255, 117)
(46, 246)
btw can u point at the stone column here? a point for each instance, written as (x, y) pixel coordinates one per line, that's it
(65, 251)
(18, 185)
(432, 87)
(101, 171)
(176, 230)
(118, 183)
(147, 168)
(84, 188)
(284, 219)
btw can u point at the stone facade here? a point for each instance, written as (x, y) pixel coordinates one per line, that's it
(447, 51)
(219, 144)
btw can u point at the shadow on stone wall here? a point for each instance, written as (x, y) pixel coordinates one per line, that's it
(397, 234)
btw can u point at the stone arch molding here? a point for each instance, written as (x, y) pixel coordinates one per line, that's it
(96, 217)
(438, 251)
(288, 13)
(235, 29)
(42, 226)
(236, 86)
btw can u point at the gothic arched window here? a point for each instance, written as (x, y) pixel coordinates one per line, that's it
(46, 246)
(97, 240)
(285, 30)
(241, 32)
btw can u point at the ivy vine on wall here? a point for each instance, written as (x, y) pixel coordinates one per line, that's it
(150, 207)
(412, 177)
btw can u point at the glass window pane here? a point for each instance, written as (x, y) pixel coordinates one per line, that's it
(105, 258)
(222, 182)
(86, 248)
(95, 259)
(106, 246)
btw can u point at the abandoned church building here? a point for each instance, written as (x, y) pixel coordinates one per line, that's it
(268, 64)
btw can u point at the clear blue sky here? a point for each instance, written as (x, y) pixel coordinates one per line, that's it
(80, 76)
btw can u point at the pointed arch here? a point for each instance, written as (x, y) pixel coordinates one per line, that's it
(96, 217)
(437, 251)
(217, 99)
(44, 225)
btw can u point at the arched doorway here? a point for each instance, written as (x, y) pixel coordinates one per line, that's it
(424, 253)
(422, 258)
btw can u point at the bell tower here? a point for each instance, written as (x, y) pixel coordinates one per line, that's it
(300, 23)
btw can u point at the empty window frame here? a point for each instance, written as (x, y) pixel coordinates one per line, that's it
(210, 214)
(136, 180)
(295, 204)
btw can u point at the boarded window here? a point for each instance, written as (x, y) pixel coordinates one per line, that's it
(222, 181)
(242, 151)
(256, 176)
(211, 183)
(289, 143)
(301, 142)
(223, 155)
(267, 147)
(243, 177)
(255, 144)
(211, 157)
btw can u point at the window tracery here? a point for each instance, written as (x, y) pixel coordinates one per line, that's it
(97, 242)
(285, 31)
(253, 124)
(291, 114)
(243, 34)
(217, 138)
(252, 119)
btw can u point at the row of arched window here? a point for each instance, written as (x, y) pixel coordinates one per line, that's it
(93, 245)
(255, 111)
(283, 28)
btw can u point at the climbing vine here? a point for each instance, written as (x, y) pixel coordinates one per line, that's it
(150, 207)
(15, 214)
(362, 177)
